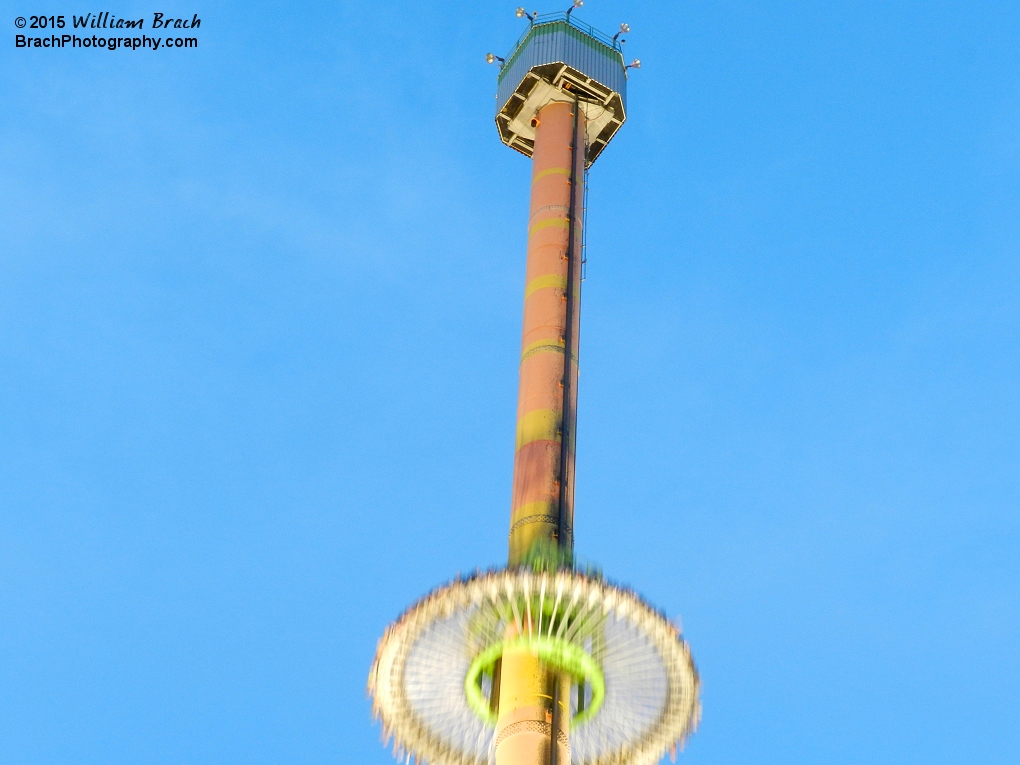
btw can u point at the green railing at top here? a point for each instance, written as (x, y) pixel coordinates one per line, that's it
(551, 21)
(589, 30)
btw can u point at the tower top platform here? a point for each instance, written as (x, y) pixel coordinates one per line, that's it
(560, 58)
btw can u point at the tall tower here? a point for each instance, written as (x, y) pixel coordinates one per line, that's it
(540, 663)
(560, 99)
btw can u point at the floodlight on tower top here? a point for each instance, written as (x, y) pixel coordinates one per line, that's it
(541, 663)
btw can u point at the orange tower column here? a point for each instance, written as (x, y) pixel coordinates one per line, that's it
(543, 490)
(534, 704)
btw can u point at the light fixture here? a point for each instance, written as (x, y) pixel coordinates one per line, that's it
(624, 28)
(577, 4)
(521, 13)
(492, 57)
(635, 64)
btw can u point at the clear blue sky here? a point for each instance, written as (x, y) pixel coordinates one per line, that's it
(259, 318)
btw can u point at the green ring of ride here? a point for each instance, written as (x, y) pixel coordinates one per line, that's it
(557, 653)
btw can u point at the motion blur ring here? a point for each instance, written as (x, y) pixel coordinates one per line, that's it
(431, 681)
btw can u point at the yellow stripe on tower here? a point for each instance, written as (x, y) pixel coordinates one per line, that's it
(558, 222)
(551, 171)
(541, 282)
(538, 425)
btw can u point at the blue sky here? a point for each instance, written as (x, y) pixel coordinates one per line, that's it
(259, 318)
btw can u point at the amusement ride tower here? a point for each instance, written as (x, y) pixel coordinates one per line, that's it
(541, 663)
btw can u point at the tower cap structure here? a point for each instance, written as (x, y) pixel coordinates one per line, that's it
(561, 59)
